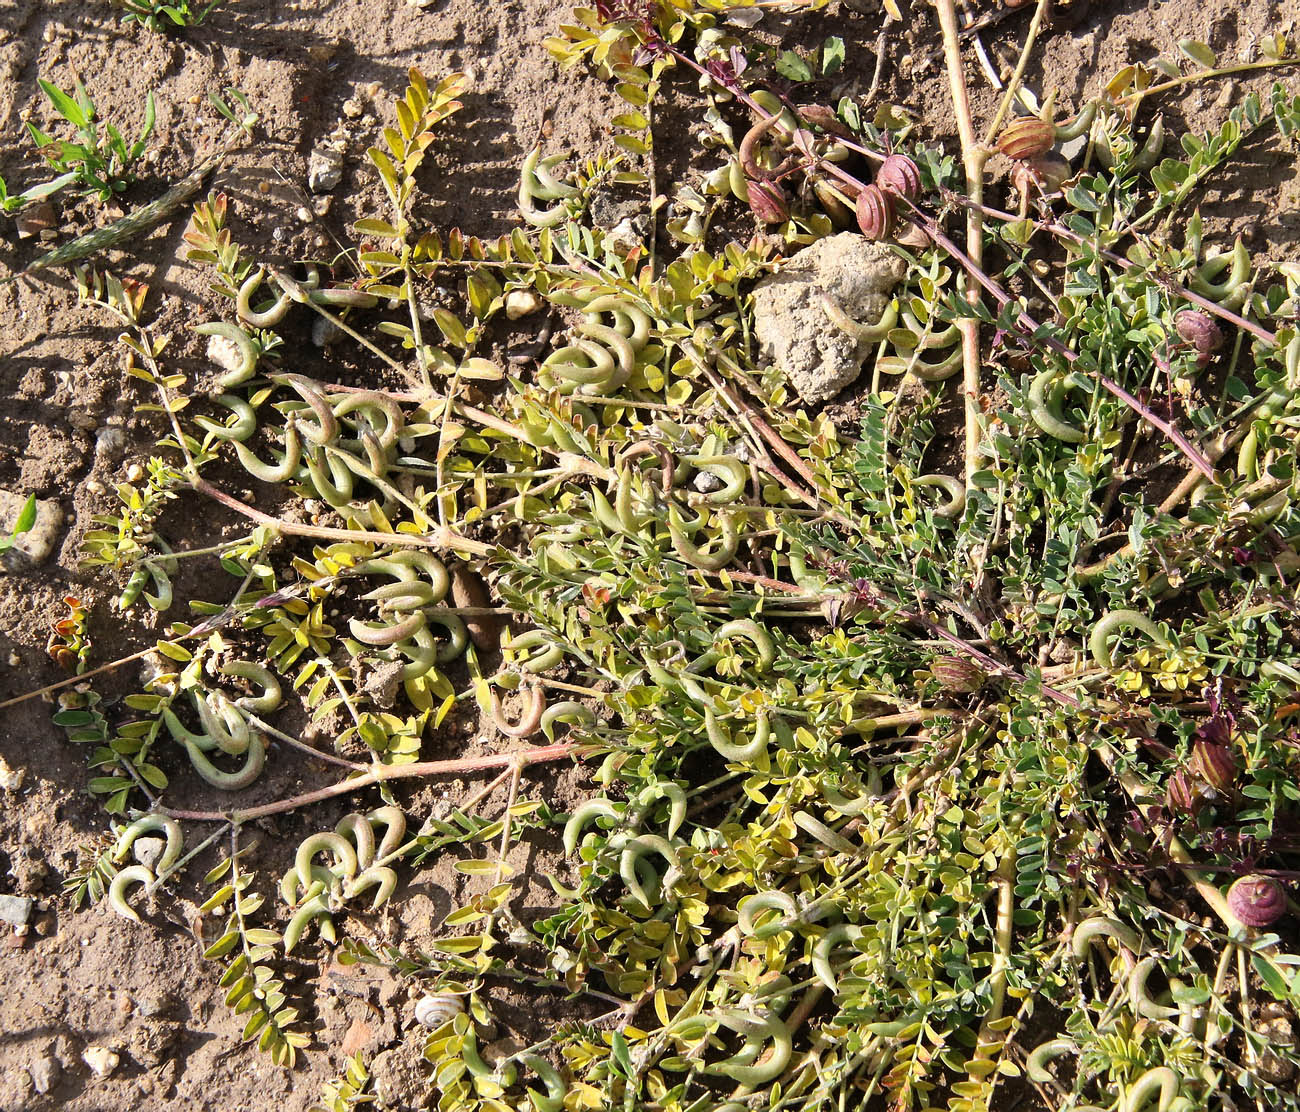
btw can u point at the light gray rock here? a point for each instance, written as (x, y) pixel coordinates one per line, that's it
(398, 1076)
(45, 1073)
(324, 168)
(33, 547)
(16, 910)
(148, 850)
(816, 357)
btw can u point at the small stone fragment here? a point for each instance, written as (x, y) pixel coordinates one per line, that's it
(304, 214)
(11, 779)
(35, 220)
(45, 1073)
(352, 108)
(224, 353)
(324, 332)
(148, 850)
(100, 1060)
(16, 910)
(398, 1076)
(519, 303)
(321, 206)
(324, 169)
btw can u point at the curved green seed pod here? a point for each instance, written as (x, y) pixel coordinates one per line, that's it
(258, 674)
(774, 900)
(549, 657)
(344, 853)
(862, 333)
(337, 486)
(146, 824)
(676, 803)
(1044, 410)
(728, 749)
(929, 340)
(567, 711)
(274, 472)
(549, 187)
(738, 1068)
(1081, 123)
(598, 371)
(838, 935)
(314, 908)
(604, 513)
(1138, 999)
(1100, 926)
(637, 326)
(457, 633)
(376, 411)
(379, 875)
(244, 345)
(757, 635)
(592, 809)
(1112, 622)
(733, 473)
(132, 874)
(321, 880)
(422, 651)
(1231, 291)
(613, 339)
(631, 521)
(1279, 670)
(326, 426)
(694, 554)
(162, 583)
(427, 564)
(393, 821)
(254, 760)
(404, 595)
(245, 423)
(1146, 156)
(181, 734)
(357, 827)
(379, 634)
(1144, 1088)
(244, 309)
(224, 723)
(528, 186)
(637, 847)
(921, 368)
(810, 824)
(556, 1089)
(950, 485)
(340, 297)
(1036, 1067)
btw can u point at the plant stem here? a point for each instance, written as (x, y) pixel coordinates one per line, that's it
(379, 775)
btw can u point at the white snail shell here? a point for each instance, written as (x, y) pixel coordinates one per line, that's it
(435, 1009)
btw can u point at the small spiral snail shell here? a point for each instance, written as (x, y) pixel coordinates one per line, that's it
(433, 1009)
(1257, 901)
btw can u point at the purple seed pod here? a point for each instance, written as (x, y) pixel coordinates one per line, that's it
(769, 202)
(957, 674)
(1199, 329)
(1026, 137)
(875, 212)
(1214, 763)
(1257, 900)
(1183, 796)
(899, 175)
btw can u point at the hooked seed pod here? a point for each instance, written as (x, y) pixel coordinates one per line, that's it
(875, 213)
(1183, 796)
(1258, 901)
(536, 182)
(900, 176)
(1026, 137)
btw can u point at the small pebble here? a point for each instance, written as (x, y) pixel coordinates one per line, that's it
(16, 910)
(264, 187)
(148, 850)
(134, 473)
(303, 213)
(321, 206)
(101, 1060)
(11, 779)
(45, 1073)
(352, 108)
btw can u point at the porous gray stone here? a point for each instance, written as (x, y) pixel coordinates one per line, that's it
(816, 357)
(34, 546)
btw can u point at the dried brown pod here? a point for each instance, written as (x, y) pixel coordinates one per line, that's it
(899, 175)
(1199, 329)
(875, 213)
(1183, 795)
(1046, 173)
(769, 202)
(1214, 763)
(1026, 137)
(468, 589)
(1257, 901)
(958, 674)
